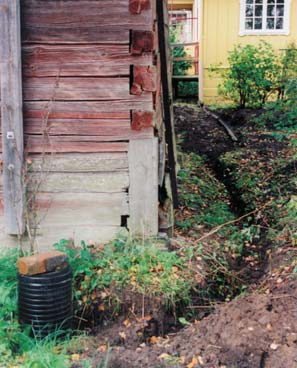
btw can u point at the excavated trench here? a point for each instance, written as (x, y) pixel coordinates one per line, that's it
(200, 133)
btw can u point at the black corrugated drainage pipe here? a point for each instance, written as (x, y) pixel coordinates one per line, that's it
(45, 301)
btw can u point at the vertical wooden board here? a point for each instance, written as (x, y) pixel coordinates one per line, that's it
(11, 114)
(143, 189)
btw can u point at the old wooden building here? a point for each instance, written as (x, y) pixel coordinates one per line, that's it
(85, 118)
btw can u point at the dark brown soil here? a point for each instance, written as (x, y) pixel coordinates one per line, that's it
(253, 332)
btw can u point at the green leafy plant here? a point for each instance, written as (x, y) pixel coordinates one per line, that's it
(252, 74)
(138, 265)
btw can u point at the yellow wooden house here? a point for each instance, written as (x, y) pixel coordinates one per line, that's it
(224, 23)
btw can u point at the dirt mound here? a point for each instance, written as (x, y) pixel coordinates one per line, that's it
(258, 331)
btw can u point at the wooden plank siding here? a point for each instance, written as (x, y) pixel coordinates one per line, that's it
(91, 99)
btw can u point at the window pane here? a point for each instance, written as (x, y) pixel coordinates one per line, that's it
(258, 23)
(259, 1)
(271, 10)
(258, 10)
(249, 1)
(280, 10)
(249, 24)
(280, 1)
(270, 23)
(280, 23)
(249, 11)
(271, 1)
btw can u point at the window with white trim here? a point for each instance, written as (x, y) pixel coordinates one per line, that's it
(264, 17)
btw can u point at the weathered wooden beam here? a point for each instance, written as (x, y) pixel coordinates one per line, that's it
(144, 79)
(143, 188)
(12, 116)
(141, 42)
(167, 95)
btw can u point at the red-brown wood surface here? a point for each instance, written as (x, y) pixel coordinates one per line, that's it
(80, 60)
(37, 144)
(83, 21)
(76, 89)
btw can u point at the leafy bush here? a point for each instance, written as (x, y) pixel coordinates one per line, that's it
(257, 74)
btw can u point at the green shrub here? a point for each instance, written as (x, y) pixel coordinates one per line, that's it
(252, 74)
(257, 74)
(283, 113)
(288, 72)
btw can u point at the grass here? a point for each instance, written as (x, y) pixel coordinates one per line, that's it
(204, 200)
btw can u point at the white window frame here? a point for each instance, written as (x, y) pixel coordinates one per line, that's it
(249, 32)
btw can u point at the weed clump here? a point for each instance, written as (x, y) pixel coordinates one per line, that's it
(127, 271)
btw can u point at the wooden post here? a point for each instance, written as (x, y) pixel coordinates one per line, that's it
(166, 75)
(12, 117)
(143, 190)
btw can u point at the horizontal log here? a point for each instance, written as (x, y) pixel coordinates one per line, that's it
(80, 60)
(142, 42)
(78, 182)
(75, 163)
(80, 130)
(83, 209)
(86, 21)
(58, 145)
(144, 79)
(138, 6)
(93, 127)
(47, 236)
(76, 89)
(143, 120)
(87, 109)
(71, 144)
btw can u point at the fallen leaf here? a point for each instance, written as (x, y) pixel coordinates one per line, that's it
(164, 356)
(122, 335)
(193, 363)
(154, 340)
(85, 298)
(102, 348)
(101, 307)
(127, 323)
(75, 357)
(269, 327)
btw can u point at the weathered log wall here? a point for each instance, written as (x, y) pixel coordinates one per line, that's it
(92, 117)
